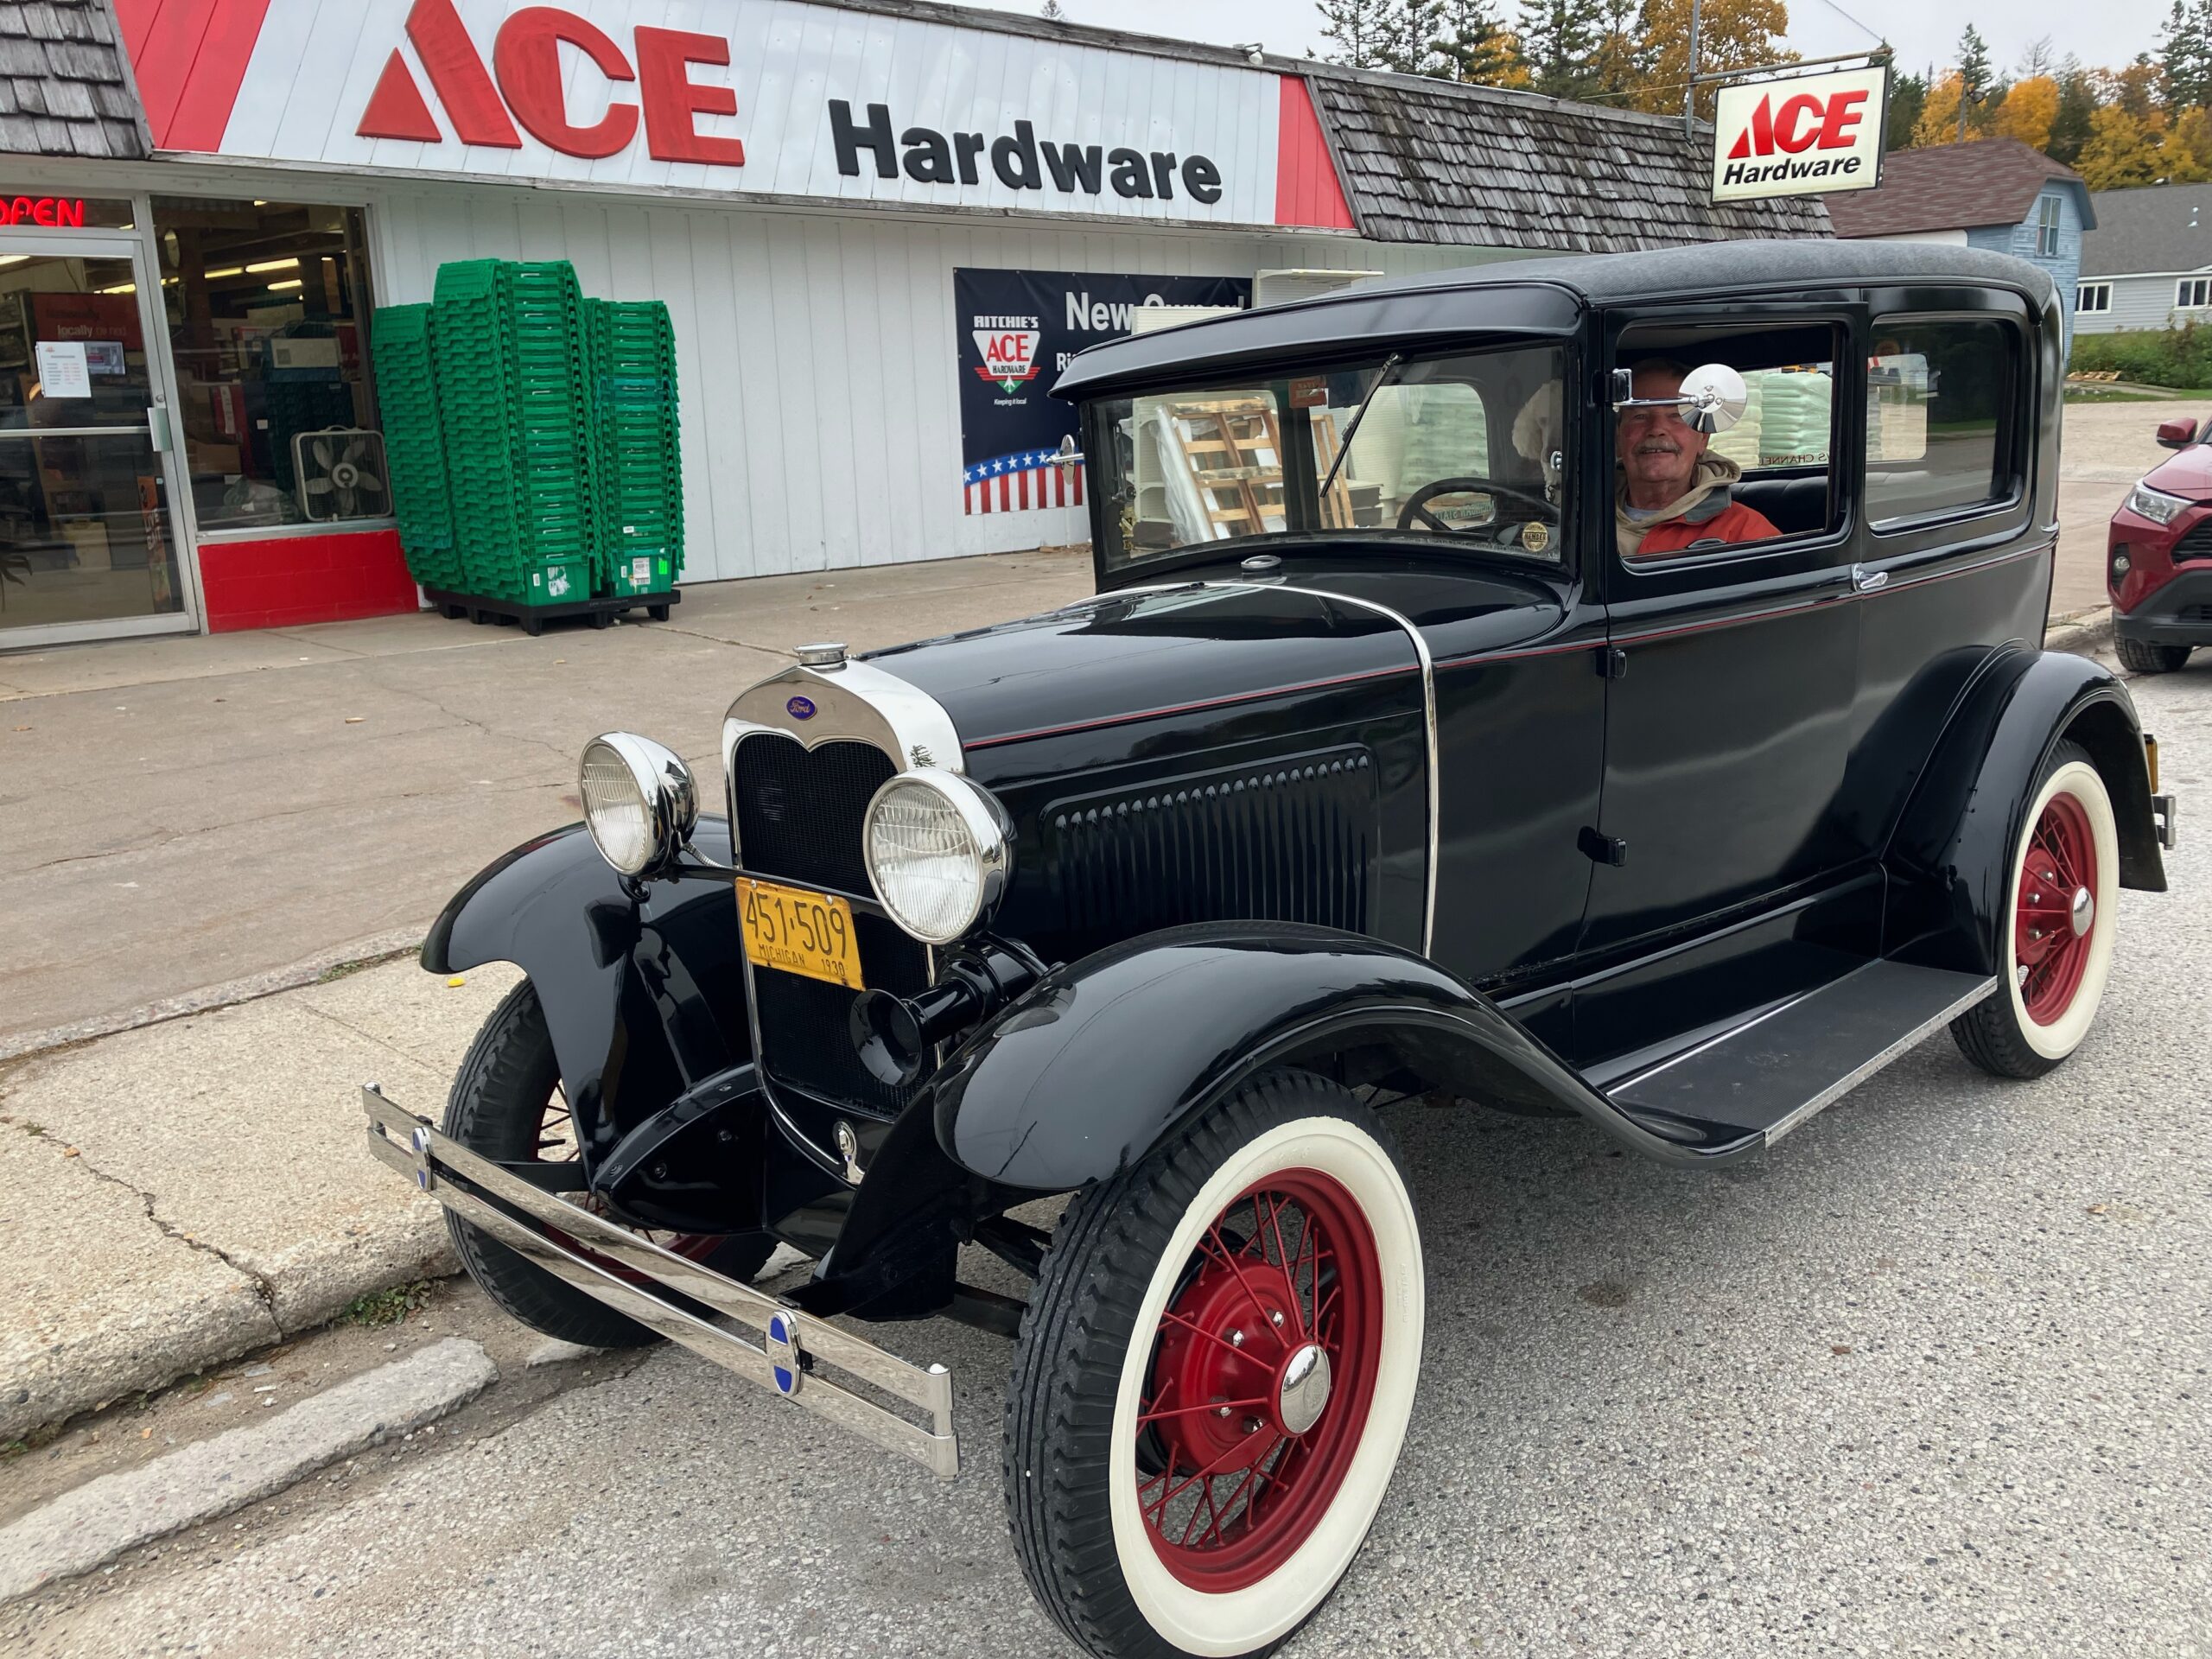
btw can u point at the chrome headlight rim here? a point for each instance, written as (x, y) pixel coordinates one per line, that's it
(991, 835)
(667, 793)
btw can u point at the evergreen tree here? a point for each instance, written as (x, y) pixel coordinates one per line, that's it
(1472, 47)
(1354, 29)
(1053, 12)
(1908, 97)
(2185, 55)
(1974, 65)
(1620, 63)
(2077, 103)
(1559, 46)
(1409, 37)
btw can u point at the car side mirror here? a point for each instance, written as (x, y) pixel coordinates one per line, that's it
(2177, 434)
(1714, 397)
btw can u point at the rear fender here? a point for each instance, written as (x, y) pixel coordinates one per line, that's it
(1950, 858)
(641, 982)
(1081, 1075)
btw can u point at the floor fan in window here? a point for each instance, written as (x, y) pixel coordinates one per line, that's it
(341, 474)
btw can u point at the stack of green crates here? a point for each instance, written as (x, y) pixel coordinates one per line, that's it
(414, 444)
(511, 393)
(637, 467)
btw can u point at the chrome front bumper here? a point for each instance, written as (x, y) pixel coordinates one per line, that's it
(792, 1345)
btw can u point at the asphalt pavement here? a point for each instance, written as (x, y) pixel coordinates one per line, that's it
(1934, 1377)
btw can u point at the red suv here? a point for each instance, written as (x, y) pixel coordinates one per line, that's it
(2158, 557)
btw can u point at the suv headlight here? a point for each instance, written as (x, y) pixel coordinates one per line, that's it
(2156, 504)
(639, 801)
(939, 852)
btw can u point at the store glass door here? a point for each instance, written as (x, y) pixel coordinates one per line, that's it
(88, 547)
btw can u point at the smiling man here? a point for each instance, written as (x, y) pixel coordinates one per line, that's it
(1674, 495)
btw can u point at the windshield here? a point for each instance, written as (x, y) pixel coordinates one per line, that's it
(1467, 448)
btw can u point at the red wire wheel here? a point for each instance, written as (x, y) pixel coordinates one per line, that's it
(2054, 913)
(556, 1144)
(1262, 1370)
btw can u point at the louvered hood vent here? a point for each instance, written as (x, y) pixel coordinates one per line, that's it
(1293, 840)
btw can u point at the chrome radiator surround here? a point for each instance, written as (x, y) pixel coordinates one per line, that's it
(789, 1338)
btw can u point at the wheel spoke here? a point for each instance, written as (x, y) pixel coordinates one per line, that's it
(1245, 1285)
(1202, 1405)
(1211, 1336)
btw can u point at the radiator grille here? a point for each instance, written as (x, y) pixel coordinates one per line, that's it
(2196, 543)
(798, 815)
(1293, 840)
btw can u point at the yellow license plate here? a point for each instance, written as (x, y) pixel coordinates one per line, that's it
(800, 932)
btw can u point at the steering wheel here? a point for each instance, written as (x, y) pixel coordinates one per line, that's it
(1416, 507)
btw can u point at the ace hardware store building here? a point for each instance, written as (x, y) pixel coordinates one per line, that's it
(879, 227)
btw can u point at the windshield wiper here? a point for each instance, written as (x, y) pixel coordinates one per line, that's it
(1343, 450)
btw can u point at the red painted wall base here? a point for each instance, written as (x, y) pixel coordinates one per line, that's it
(290, 579)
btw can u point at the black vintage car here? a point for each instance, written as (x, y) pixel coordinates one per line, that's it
(1405, 748)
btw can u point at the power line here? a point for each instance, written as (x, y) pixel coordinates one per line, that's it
(1854, 21)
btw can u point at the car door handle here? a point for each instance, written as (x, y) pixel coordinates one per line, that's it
(1868, 582)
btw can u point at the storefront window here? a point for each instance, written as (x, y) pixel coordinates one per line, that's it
(268, 305)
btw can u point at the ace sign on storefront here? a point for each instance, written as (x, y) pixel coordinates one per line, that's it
(1804, 135)
(740, 97)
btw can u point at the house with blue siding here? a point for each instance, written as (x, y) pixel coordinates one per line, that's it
(1996, 193)
(2149, 263)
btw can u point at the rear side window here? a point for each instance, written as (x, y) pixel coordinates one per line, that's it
(1941, 398)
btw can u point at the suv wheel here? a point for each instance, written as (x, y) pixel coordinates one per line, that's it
(1215, 1375)
(2061, 920)
(2139, 657)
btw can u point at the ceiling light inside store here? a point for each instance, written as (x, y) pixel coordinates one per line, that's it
(13, 258)
(278, 287)
(227, 271)
(274, 264)
(122, 288)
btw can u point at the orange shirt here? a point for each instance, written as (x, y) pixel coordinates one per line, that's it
(1733, 523)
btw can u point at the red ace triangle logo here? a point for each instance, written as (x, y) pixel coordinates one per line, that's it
(530, 88)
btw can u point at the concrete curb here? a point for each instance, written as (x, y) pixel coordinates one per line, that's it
(100, 1520)
(380, 947)
(2083, 633)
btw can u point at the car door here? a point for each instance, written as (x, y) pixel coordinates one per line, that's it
(1728, 710)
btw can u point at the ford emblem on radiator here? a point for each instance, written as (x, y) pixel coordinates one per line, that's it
(783, 1353)
(800, 708)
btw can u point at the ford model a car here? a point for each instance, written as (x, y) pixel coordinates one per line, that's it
(1603, 687)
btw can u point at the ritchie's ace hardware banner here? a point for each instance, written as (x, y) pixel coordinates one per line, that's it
(1017, 331)
(1806, 135)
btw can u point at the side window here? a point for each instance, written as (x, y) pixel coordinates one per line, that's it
(1941, 405)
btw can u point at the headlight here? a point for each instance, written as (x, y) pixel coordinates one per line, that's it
(2156, 504)
(940, 850)
(639, 801)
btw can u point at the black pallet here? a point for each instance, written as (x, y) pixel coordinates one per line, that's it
(602, 611)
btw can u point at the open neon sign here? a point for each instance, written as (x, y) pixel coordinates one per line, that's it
(62, 212)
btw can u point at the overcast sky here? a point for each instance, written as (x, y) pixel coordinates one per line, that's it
(1923, 31)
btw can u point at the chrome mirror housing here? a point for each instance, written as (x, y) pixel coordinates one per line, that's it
(1713, 398)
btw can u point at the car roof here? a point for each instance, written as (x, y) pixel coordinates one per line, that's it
(1542, 295)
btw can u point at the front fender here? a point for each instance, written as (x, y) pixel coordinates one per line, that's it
(641, 982)
(1083, 1074)
(1950, 857)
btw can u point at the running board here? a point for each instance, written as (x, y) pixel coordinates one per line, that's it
(1761, 1080)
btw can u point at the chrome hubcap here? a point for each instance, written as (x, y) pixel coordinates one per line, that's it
(1304, 1394)
(2081, 913)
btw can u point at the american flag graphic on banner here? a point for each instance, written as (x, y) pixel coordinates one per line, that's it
(1022, 482)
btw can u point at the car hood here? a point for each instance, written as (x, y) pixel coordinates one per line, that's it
(1126, 655)
(2187, 473)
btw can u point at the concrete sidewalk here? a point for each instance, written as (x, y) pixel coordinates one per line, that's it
(179, 1194)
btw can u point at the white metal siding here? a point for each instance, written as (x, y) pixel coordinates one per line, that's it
(818, 354)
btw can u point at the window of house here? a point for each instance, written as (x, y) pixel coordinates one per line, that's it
(268, 306)
(2093, 297)
(2047, 226)
(1942, 402)
(2193, 293)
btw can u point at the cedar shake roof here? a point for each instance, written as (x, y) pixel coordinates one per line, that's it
(1950, 187)
(2157, 229)
(1431, 160)
(65, 89)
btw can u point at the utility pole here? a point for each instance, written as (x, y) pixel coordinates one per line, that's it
(1689, 92)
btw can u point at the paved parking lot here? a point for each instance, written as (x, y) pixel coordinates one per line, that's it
(1931, 1378)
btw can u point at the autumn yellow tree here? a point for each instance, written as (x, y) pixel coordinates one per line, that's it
(2027, 110)
(2122, 150)
(1939, 114)
(1732, 35)
(2186, 156)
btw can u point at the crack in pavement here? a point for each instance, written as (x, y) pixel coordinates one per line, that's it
(421, 696)
(263, 1292)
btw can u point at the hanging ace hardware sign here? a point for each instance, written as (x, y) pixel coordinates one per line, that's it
(1800, 136)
